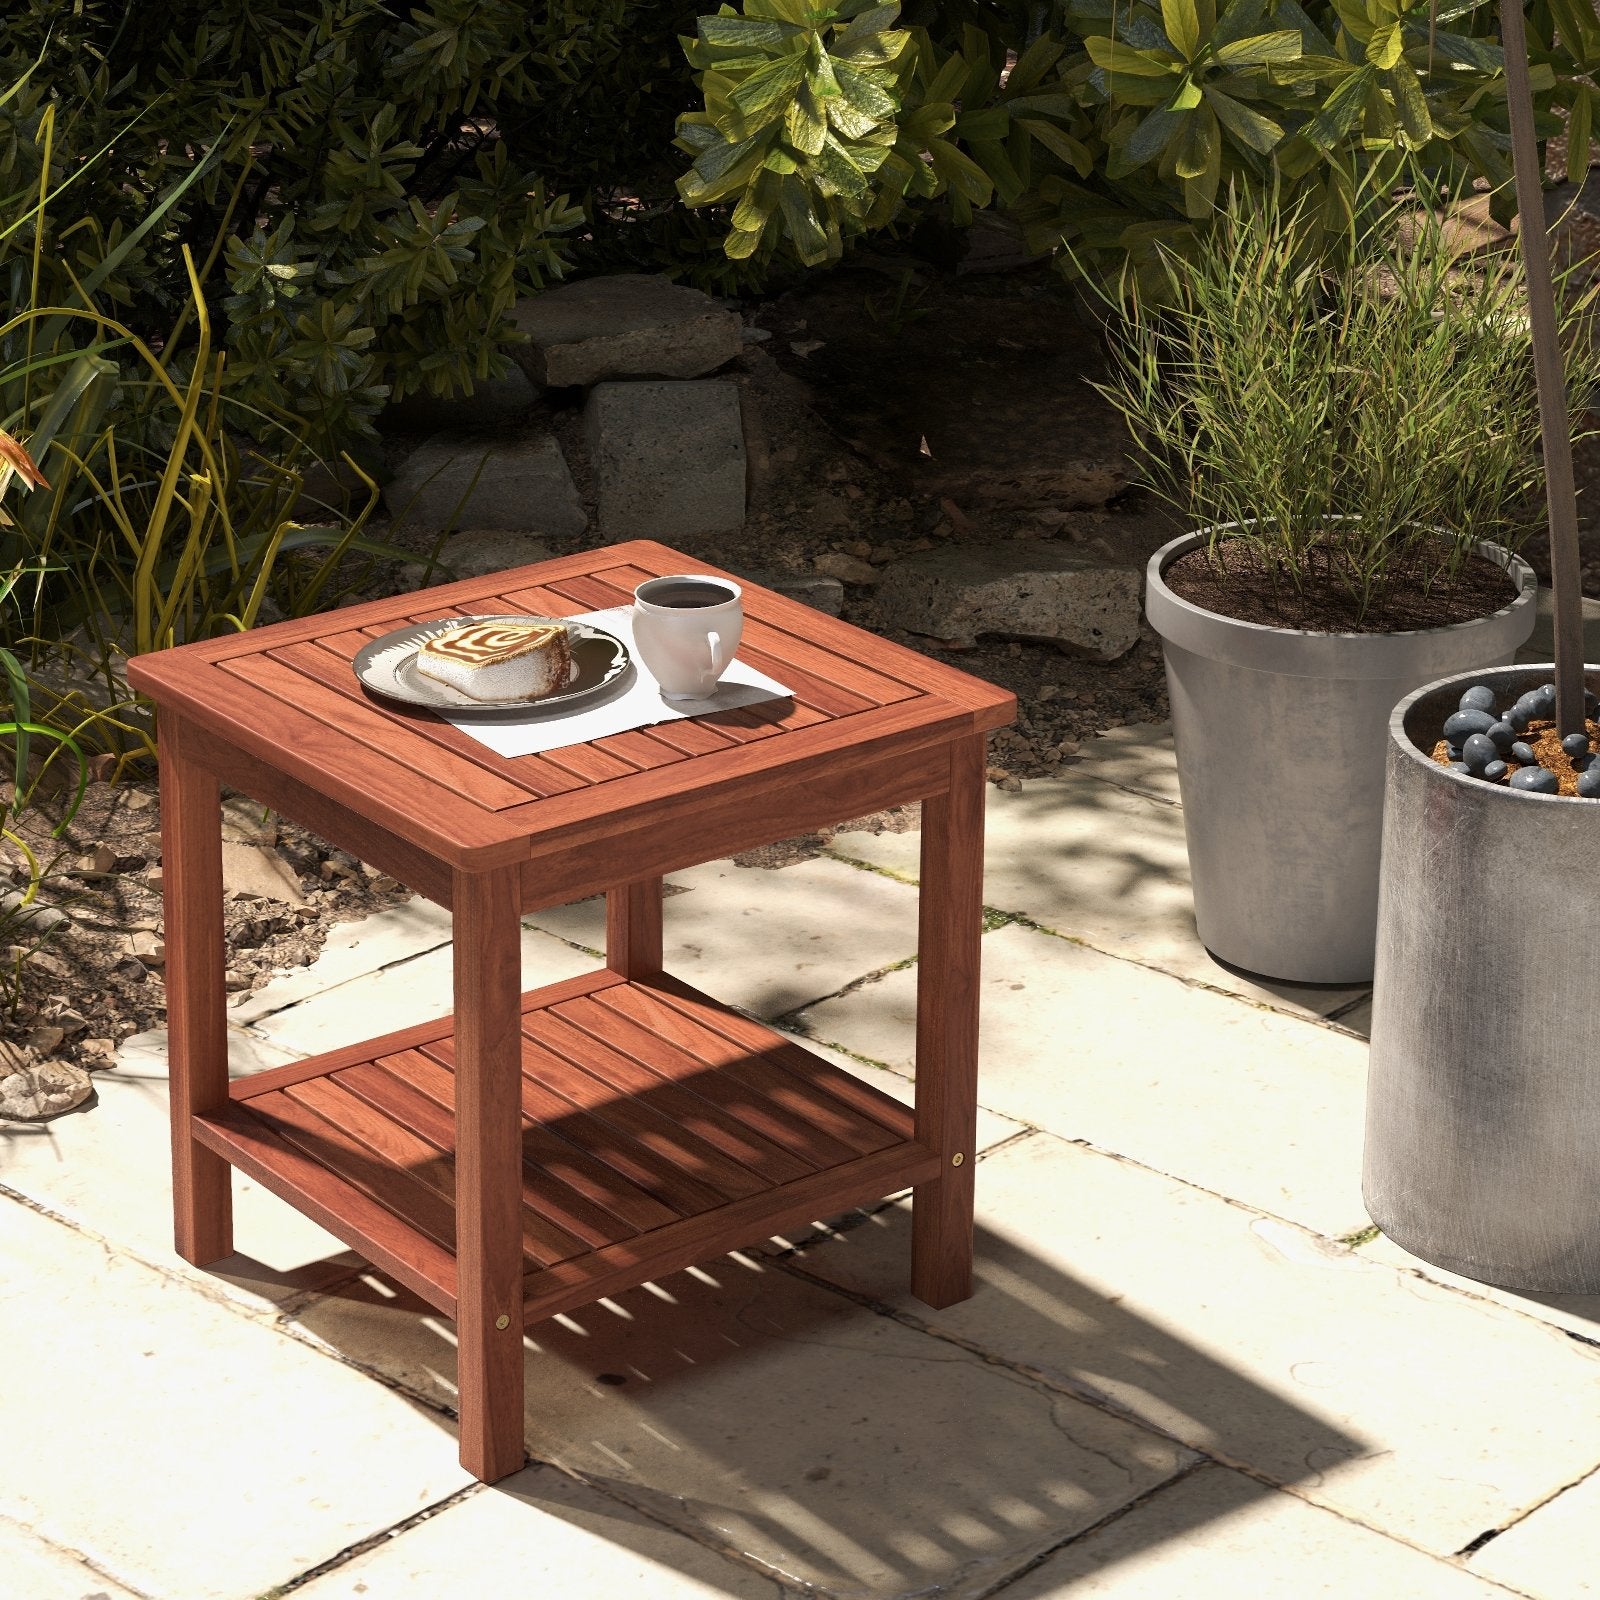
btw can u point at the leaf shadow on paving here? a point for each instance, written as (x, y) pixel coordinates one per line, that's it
(841, 1449)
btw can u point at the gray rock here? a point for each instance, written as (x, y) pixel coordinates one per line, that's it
(492, 403)
(847, 568)
(1016, 590)
(668, 458)
(34, 917)
(37, 1093)
(628, 326)
(814, 589)
(480, 553)
(518, 485)
(258, 869)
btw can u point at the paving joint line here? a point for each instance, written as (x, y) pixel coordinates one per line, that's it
(1116, 1514)
(70, 1553)
(371, 1542)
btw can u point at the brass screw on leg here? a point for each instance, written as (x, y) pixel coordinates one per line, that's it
(502, 1322)
(957, 1159)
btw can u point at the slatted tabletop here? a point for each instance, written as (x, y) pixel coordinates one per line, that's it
(287, 694)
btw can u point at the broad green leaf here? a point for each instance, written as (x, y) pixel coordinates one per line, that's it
(722, 172)
(805, 124)
(1187, 97)
(805, 229)
(1045, 105)
(1578, 124)
(1182, 23)
(1118, 57)
(991, 122)
(874, 50)
(1410, 104)
(1339, 111)
(1466, 51)
(1248, 126)
(1238, 21)
(863, 92)
(960, 172)
(1385, 45)
(1262, 49)
(1061, 145)
(877, 20)
(1152, 136)
(745, 33)
(1034, 63)
(762, 95)
(928, 121)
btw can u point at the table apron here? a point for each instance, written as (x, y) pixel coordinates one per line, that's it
(410, 864)
(711, 825)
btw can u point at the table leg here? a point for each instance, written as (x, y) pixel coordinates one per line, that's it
(197, 1024)
(633, 928)
(488, 1172)
(950, 932)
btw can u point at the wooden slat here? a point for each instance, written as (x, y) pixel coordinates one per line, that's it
(338, 673)
(779, 1105)
(393, 1142)
(659, 1176)
(407, 1197)
(577, 1165)
(683, 1244)
(544, 1190)
(403, 1039)
(694, 1103)
(846, 1108)
(348, 1213)
(354, 715)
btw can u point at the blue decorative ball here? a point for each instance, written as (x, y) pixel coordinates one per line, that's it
(1536, 780)
(1480, 697)
(1523, 754)
(1478, 752)
(1495, 771)
(1458, 726)
(1576, 744)
(1504, 736)
(1462, 767)
(1519, 716)
(1545, 694)
(1589, 783)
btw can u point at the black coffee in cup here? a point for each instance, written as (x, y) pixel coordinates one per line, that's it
(686, 594)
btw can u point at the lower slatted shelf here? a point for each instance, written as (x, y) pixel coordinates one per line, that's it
(659, 1129)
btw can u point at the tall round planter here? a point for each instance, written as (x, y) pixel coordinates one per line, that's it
(1483, 1089)
(1279, 734)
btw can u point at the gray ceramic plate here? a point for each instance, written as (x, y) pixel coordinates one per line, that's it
(388, 666)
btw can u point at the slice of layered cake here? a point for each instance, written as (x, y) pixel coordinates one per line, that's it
(499, 660)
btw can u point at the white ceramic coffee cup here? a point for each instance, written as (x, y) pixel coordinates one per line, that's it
(686, 629)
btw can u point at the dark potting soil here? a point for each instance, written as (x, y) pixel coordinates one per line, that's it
(1237, 582)
(1544, 738)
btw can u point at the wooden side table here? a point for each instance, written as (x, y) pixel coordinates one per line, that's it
(536, 1152)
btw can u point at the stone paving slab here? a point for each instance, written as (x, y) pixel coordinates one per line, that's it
(535, 1534)
(1573, 1313)
(33, 1570)
(829, 1444)
(1257, 1106)
(185, 1450)
(108, 1169)
(1095, 862)
(407, 992)
(1370, 1392)
(1139, 756)
(352, 950)
(1218, 1533)
(768, 940)
(1553, 1554)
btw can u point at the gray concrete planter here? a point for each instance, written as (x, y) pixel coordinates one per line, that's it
(1279, 736)
(1483, 1090)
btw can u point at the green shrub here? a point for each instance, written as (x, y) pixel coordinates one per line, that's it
(1119, 124)
(353, 209)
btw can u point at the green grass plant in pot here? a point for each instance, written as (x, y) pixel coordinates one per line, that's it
(1350, 438)
(1483, 1102)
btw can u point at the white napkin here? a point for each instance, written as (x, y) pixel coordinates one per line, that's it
(637, 706)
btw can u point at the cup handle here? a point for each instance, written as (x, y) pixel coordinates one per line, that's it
(714, 639)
